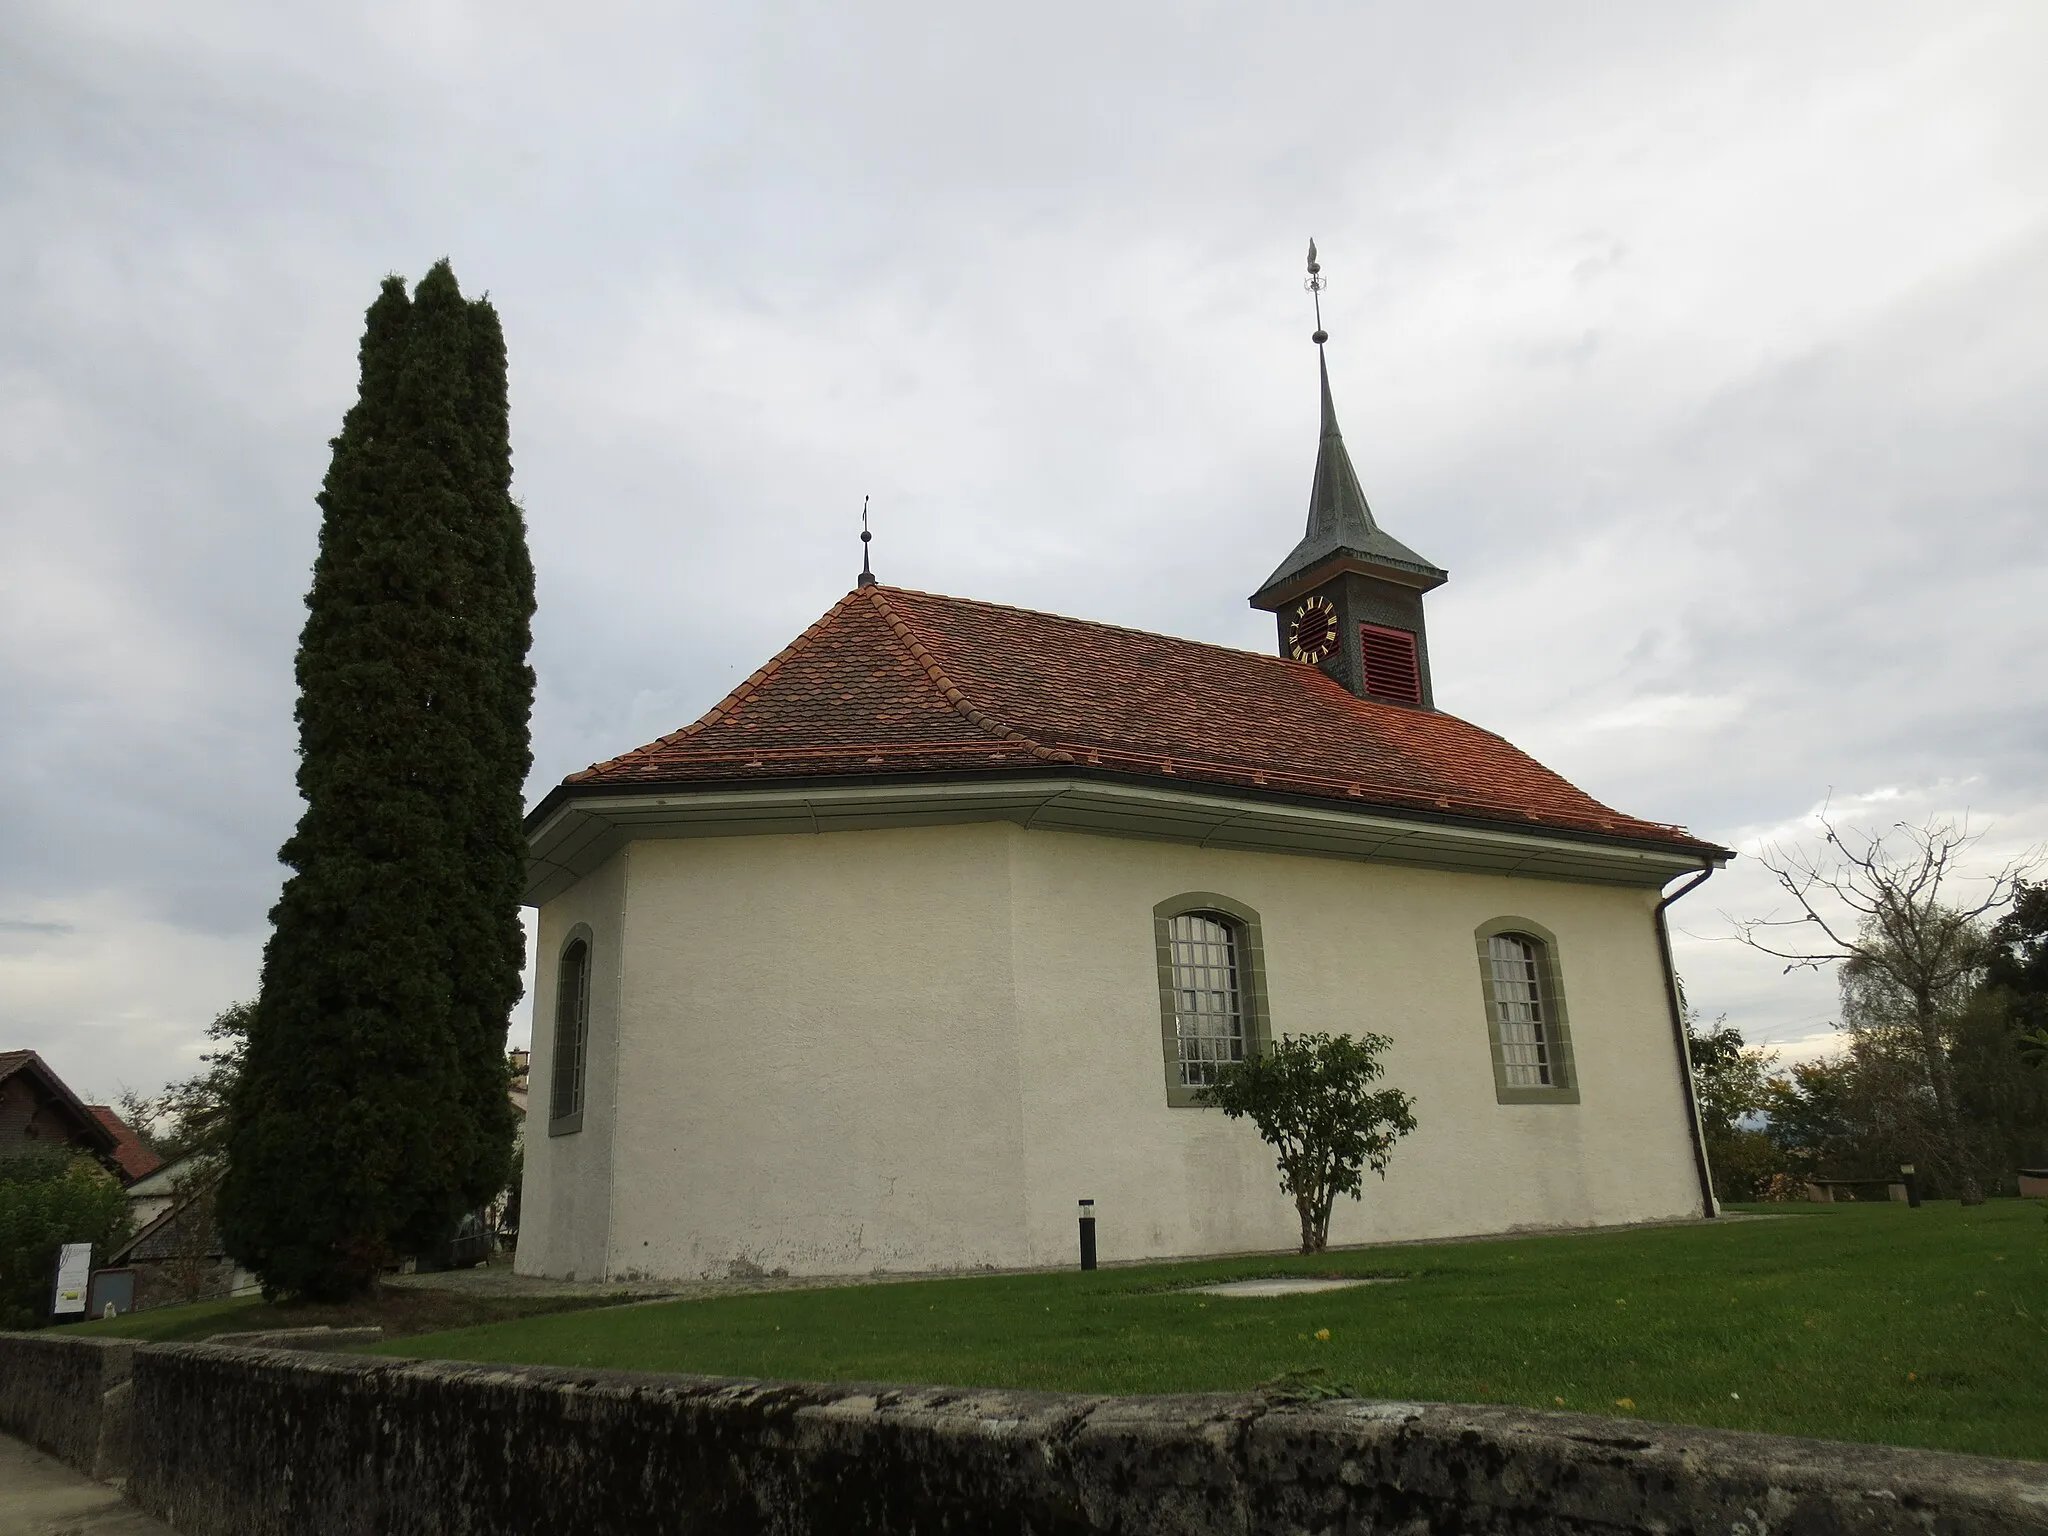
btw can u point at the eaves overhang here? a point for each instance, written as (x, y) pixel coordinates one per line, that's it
(577, 828)
(1284, 586)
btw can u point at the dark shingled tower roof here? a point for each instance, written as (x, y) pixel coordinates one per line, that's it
(1340, 523)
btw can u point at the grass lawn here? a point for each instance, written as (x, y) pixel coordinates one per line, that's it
(1847, 1322)
(400, 1312)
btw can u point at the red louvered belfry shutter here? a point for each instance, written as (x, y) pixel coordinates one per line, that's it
(1390, 670)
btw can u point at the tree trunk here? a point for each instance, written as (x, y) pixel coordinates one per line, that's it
(1927, 1026)
(1314, 1237)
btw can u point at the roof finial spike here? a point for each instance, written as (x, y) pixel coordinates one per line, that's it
(867, 576)
(1315, 285)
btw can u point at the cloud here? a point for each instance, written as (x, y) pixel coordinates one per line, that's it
(113, 996)
(1705, 348)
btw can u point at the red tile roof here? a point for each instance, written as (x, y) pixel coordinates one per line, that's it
(895, 682)
(135, 1159)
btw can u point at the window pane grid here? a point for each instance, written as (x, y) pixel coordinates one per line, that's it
(1208, 1008)
(1518, 1010)
(572, 1025)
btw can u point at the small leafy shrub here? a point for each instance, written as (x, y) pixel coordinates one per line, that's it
(48, 1199)
(1310, 1097)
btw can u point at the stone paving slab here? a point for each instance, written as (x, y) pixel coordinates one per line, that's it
(40, 1496)
(1289, 1285)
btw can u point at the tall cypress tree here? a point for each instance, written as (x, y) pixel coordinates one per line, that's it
(371, 1110)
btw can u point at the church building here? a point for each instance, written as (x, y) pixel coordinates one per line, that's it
(937, 924)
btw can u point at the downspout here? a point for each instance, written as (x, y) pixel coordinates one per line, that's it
(1692, 1107)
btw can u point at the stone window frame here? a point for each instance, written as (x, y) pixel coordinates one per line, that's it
(561, 1121)
(1563, 1087)
(1252, 1003)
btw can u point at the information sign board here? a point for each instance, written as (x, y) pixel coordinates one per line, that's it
(74, 1272)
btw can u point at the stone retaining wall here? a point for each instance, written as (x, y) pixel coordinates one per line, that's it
(68, 1396)
(241, 1442)
(230, 1441)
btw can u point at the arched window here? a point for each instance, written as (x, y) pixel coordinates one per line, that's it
(1211, 989)
(572, 1039)
(1515, 960)
(1530, 1041)
(1208, 998)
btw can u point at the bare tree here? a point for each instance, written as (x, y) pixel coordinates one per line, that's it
(190, 1117)
(1885, 907)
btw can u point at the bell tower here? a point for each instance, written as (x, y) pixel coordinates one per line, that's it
(1349, 598)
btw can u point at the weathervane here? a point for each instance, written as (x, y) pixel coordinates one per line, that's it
(867, 577)
(1314, 284)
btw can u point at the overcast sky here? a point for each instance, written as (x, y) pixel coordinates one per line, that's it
(1705, 345)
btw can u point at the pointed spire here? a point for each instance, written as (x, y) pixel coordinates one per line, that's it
(1337, 507)
(867, 576)
(1341, 528)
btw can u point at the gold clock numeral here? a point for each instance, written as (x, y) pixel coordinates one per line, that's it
(1313, 634)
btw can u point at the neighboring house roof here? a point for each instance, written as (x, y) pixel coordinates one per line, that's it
(136, 1160)
(168, 1178)
(87, 1129)
(12, 1062)
(187, 1230)
(895, 683)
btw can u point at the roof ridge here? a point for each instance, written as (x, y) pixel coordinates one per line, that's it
(949, 690)
(1048, 690)
(734, 699)
(1121, 629)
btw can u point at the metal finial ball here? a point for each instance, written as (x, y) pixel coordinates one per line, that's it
(865, 536)
(1320, 337)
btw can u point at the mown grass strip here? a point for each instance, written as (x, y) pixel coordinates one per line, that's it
(1860, 1323)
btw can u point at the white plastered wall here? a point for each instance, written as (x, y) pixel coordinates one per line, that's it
(917, 1048)
(820, 1069)
(565, 1199)
(1349, 947)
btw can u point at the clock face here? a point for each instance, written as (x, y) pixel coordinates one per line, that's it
(1313, 633)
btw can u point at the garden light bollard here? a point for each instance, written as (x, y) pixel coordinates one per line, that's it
(1087, 1234)
(1912, 1186)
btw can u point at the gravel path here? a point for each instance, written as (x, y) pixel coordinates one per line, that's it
(498, 1280)
(40, 1496)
